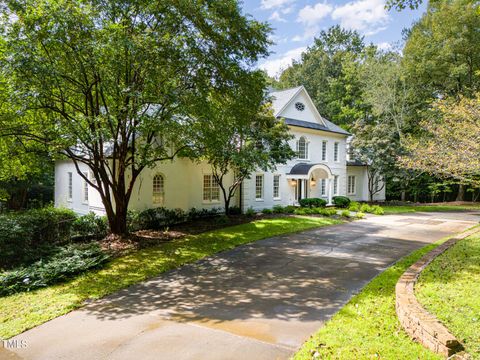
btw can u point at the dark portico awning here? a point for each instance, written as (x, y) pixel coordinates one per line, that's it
(303, 170)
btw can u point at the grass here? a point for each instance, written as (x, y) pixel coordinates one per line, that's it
(449, 289)
(23, 311)
(367, 327)
(427, 208)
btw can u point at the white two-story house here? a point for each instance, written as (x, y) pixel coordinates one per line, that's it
(321, 169)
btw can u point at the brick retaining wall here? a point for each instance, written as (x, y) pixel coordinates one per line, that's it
(417, 322)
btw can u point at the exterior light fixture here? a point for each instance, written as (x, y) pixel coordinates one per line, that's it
(313, 182)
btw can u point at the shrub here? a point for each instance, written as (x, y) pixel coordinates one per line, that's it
(29, 235)
(365, 208)
(159, 218)
(354, 206)
(300, 211)
(346, 213)
(329, 212)
(278, 209)
(289, 209)
(267, 211)
(235, 210)
(195, 214)
(312, 202)
(250, 212)
(90, 225)
(341, 201)
(359, 215)
(377, 210)
(222, 220)
(65, 262)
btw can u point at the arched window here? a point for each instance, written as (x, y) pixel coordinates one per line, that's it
(158, 189)
(302, 148)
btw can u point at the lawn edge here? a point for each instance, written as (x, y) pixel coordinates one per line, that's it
(417, 322)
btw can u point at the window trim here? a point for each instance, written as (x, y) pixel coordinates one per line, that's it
(262, 188)
(85, 189)
(278, 186)
(161, 193)
(336, 151)
(324, 152)
(306, 152)
(354, 185)
(211, 187)
(69, 186)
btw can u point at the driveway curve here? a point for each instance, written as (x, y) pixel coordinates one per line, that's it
(258, 301)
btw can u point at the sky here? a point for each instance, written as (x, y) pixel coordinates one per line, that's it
(295, 23)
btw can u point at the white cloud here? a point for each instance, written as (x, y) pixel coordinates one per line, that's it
(276, 17)
(385, 46)
(274, 66)
(311, 15)
(273, 4)
(366, 16)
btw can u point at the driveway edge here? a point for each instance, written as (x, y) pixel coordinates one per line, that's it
(422, 326)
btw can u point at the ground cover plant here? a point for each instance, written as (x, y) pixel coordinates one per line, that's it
(448, 288)
(399, 209)
(25, 310)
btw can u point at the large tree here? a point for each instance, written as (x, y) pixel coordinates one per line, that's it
(329, 71)
(112, 84)
(449, 144)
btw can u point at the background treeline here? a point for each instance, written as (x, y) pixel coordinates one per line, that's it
(384, 96)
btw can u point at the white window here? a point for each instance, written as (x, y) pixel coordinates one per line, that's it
(335, 185)
(302, 148)
(259, 187)
(276, 186)
(351, 185)
(211, 190)
(323, 186)
(158, 189)
(85, 189)
(335, 151)
(70, 186)
(324, 150)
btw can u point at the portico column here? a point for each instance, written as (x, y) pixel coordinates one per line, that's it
(329, 184)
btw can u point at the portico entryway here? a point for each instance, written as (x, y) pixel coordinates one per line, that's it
(311, 180)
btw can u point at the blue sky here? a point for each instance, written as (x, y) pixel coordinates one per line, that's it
(296, 22)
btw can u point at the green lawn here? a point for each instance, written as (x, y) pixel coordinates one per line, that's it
(427, 208)
(450, 289)
(367, 327)
(22, 311)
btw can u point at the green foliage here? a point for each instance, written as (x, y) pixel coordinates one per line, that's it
(26, 236)
(250, 212)
(87, 76)
(427, 208)
(312, 202)
(345, 213)
(42, 305)
(359, 215)
(267, 211)
(341, 201)
(62, 264)
(195, 214)
(315, 211)
(448, 288)
(159, 218)
(279, 209)
(354, 206)
(329, 71)
(289, 209)
(90, 225)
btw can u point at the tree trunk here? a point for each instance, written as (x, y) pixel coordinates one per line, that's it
(461, 193)
(403, 195)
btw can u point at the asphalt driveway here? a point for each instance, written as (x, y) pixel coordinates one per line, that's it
(258, 301)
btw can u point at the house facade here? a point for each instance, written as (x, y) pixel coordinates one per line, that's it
(321, 169)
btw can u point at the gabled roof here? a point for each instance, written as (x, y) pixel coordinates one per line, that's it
(282, 98)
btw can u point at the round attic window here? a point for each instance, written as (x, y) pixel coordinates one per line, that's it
(299, 106)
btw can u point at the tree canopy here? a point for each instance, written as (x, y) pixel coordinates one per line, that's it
(115, 85)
